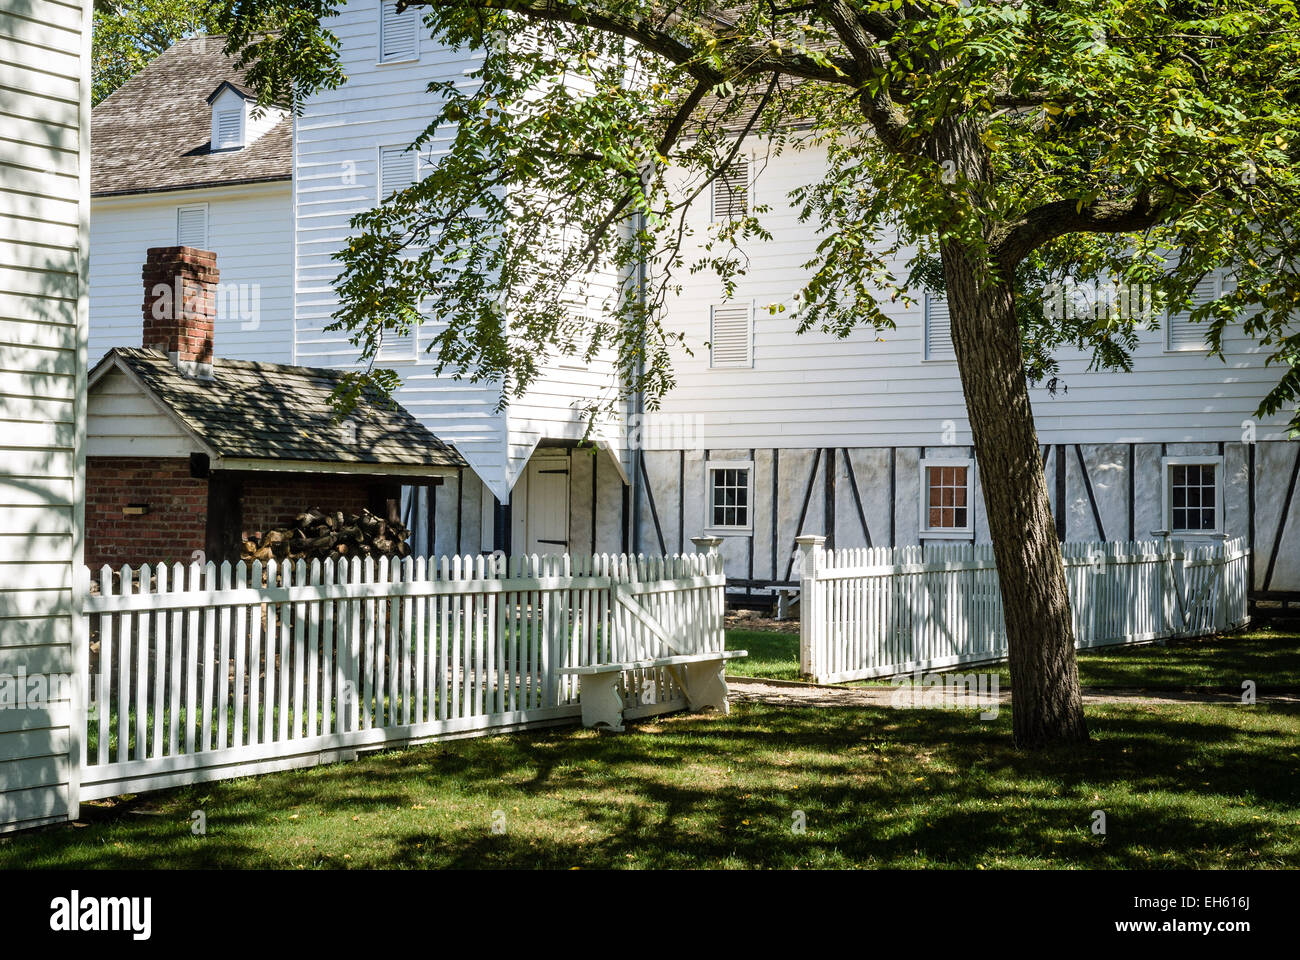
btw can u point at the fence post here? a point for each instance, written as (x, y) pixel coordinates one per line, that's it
(716, 637)
(812, 629)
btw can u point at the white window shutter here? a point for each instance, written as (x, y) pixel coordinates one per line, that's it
(1180, 332)
(731, 191)
(731, 338)
(230, 132)
(398, 36)
(395, 346)
(397, 170)
(192, 226)
(938, 329)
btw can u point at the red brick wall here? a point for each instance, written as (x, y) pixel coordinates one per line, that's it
(274, 500)
(171, 531)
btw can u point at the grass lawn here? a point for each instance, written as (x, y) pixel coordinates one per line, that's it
(1269, 656)
(1182, 785)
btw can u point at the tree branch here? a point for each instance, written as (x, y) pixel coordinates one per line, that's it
(1021, 237)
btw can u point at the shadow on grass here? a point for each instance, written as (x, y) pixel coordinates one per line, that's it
(1184, 785)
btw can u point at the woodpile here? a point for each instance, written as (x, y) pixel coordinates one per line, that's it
(319, 535)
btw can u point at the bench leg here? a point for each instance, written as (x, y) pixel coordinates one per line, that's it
(704, 686)
(602, 704)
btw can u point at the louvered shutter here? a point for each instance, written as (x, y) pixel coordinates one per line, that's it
(731, 338)
(230, 131)
(397, 170)
(731, 191)
(397, 32)
(938, 329)
(395, 346)
(1180, 332)
(192, 226)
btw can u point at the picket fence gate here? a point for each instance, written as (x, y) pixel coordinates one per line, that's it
(203, 672)
(879, 612)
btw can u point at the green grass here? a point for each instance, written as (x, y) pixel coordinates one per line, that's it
(1270, 657)
(1184, 785)
(771, 654)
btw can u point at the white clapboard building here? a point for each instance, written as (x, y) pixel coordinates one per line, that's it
(44, 181)
(767, 435)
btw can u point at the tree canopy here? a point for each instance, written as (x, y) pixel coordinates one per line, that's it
(1141, 142)
(125, 36)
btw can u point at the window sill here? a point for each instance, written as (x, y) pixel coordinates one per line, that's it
(728, 531)
(947, 534)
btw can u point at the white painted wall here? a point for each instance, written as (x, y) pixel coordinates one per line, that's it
(813, 390)
(250, 229)
(44, 183)
(336, 176)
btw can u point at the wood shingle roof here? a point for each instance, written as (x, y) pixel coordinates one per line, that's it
(272, 411)
(154, 132)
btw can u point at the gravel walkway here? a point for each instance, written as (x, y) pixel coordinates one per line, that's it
(745, 690)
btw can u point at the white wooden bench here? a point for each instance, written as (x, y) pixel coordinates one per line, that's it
(699, 675)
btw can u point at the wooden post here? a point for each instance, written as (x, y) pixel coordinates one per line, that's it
(811, 628)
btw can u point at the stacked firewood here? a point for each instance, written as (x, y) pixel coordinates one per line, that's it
(319, 535)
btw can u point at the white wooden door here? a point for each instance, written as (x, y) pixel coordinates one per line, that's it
(546, 523)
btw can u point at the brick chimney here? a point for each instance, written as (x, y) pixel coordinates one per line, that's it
(180, 304)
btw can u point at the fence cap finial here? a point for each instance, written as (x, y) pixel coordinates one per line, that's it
(706, 544)
(810, 540)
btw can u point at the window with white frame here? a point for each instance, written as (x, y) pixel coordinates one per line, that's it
(946, 508)
(938, 329)
(731, 191)
(399, 37)
(398, 169)
(731, 335)
(731, 487)
(1193, 494)
(192, 226)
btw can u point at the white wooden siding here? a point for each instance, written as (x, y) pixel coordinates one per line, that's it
(336, 175)
(44, 153)
(874, 389)
(122, 421)
(249, 229)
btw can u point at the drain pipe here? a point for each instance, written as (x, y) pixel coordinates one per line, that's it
(636, 402)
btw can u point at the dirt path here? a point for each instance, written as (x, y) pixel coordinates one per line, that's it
(744, 690)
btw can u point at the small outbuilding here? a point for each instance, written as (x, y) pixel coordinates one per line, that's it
(187, 451)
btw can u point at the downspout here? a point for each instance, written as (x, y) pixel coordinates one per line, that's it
(636, 402)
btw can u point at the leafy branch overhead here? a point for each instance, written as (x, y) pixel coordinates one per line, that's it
(1143, 141)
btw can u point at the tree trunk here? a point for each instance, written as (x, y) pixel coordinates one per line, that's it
(1046, 704)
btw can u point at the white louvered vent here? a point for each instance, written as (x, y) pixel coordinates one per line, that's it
(397, 170)
(395, 346)
(938, 329)
(192, 226)
(230, 129)
(1180, 332)
(731, 191)
(398, 39)
(731, 338)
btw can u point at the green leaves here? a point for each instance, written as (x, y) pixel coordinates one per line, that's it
(595, 131)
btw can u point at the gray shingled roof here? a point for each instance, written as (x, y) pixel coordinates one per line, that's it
(154, 132)
(272, 411)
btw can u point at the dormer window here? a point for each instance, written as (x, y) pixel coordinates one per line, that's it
(237, 121)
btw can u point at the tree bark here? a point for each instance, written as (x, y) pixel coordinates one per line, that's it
(1046, 704)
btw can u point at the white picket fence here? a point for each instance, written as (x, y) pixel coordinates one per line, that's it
(879, 612)
(200, 673)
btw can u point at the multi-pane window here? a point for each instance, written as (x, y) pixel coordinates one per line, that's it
(729, 496)
(946, 497)
(1193, 497)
